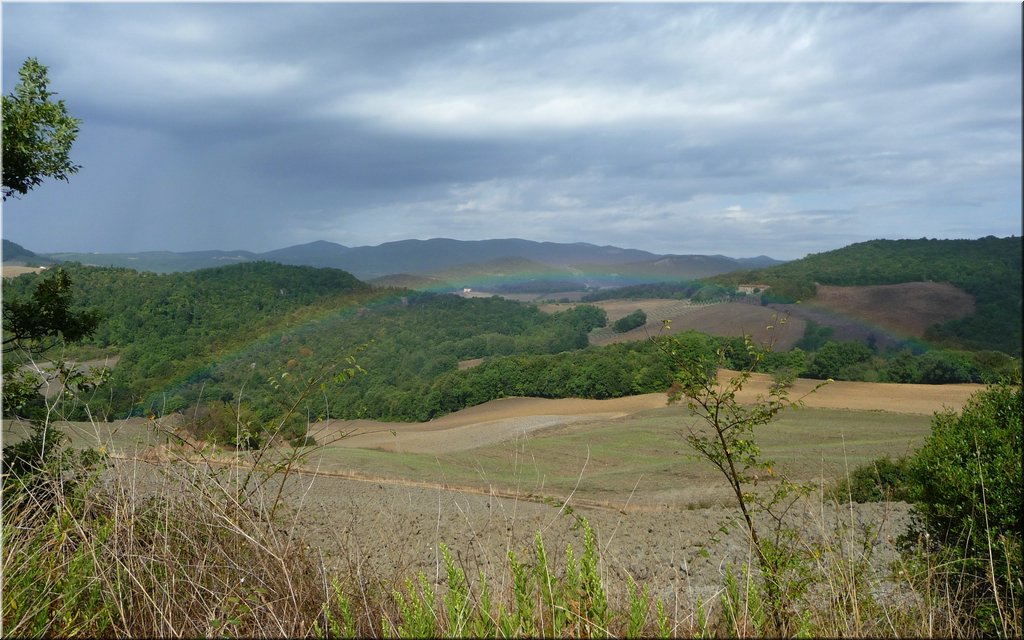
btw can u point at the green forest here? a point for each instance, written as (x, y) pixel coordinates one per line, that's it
(210, 334)
(695, 290)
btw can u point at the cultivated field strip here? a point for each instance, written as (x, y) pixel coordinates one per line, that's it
(657, 311)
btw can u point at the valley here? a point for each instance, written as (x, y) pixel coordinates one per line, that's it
(380, 422)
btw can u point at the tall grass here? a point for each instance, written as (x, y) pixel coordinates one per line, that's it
(126, 548)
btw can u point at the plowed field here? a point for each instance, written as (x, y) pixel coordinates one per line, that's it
(720, 319)
(487, 479)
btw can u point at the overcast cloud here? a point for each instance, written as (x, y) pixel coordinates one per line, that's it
(676, 128)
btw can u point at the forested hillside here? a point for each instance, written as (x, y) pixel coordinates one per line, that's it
(988, 268)
(14, 253)
(166, 326)
(219, 333)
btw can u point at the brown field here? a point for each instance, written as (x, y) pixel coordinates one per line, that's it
(888, 314)
(13, 271)
(721, 319)
(487, 479)
(907, 309)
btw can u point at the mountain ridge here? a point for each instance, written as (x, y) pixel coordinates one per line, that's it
(419, 257)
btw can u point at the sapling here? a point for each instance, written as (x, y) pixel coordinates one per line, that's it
(728, 441)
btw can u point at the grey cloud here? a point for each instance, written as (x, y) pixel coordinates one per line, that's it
(240, 126)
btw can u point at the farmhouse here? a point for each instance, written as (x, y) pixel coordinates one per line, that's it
(751, 289)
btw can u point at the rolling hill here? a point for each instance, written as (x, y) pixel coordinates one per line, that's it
(988, 269)
(158, 261)
(582, 263)
(15, 254)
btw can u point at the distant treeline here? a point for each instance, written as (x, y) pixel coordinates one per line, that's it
(989, 269)
(687, 290)
(818, 356)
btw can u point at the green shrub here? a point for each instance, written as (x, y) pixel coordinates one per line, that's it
(882, 479)
(225, 424)
(970, 496)
(636, 319)
(838, 360)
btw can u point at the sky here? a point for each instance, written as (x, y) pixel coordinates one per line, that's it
(735, 129)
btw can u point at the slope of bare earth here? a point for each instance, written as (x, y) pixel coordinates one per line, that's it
(886, 314)
(907, 309)
(730, 319)
(392, 531)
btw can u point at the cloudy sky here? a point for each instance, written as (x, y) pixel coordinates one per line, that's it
(676, 128)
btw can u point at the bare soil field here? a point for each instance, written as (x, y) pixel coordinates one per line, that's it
(729, 319)
(13, 271)
(888, 314)
(921, 399)
(485, 480)
(392, 532)
(907, 309)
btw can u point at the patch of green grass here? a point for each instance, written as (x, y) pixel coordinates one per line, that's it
(646, 451)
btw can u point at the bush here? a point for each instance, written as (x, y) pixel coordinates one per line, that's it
(838, 360)
(947, 367)
(225, 424)
(883, 479)
(636, 319)
(970, 496)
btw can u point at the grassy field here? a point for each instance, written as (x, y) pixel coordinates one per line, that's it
(606, 460)
(640, 459)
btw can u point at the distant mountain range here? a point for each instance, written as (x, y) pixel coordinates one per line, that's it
(440, 262)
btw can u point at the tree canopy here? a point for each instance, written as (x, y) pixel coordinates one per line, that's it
(37, 133)
(46, 315)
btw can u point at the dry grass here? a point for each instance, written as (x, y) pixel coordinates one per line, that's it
(13, 271)
(186, 556)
